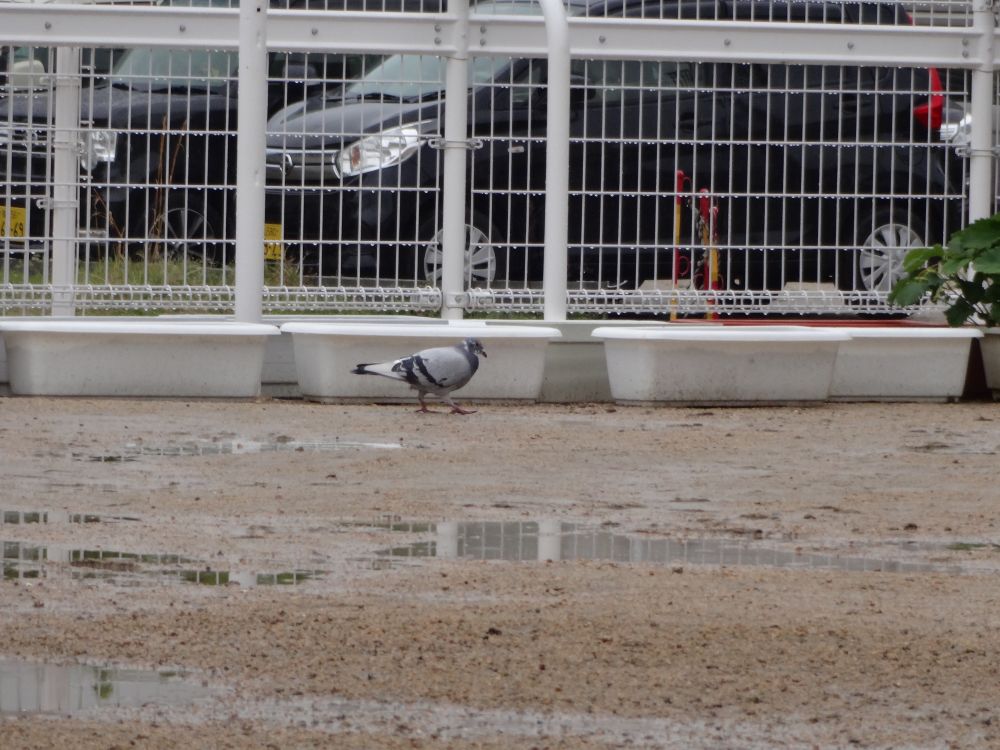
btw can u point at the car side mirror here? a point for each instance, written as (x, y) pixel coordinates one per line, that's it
(27, 74)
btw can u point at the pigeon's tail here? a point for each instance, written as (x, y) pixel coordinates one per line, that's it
(382, 368)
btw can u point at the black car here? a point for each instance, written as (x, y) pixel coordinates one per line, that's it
(158, 142)
(734, 175)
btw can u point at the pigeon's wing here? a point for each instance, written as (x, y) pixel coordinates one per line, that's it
(439, 370)
(385, 369)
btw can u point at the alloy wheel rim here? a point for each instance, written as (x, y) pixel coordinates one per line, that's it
(480, 258)
(880, 262)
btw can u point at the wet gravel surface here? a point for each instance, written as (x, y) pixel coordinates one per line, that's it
(528, 576)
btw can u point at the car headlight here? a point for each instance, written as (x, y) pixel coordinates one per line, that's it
(98, 147)
(379, 150)
(957, 133)
(956, 125)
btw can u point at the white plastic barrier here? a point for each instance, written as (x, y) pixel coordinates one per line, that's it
(902, 363)
(325, 354)
(59, 357)
(716, 364)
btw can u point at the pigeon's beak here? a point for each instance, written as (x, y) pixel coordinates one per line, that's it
(483, 352)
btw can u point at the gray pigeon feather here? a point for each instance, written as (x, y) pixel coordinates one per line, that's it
(440, 371)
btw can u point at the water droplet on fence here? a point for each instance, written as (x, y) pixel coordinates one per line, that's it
(36, 688)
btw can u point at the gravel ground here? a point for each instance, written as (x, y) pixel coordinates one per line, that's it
(727, 578)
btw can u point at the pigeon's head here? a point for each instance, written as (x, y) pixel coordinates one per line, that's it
(475, 346)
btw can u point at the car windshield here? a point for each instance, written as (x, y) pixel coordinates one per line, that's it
(418, 76)
(167, 68)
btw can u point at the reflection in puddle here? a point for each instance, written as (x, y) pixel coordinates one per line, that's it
(32, 688)
(248, 580)
(553, 540)
(133, 451)
(24, 517)
(32, 561)
(393, 524)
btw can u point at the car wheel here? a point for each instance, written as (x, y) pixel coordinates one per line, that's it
(883, 241)
(192, 233)
(480, 256)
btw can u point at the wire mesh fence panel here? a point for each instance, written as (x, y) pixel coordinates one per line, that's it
(694, 187)
(720, 187)
(155, 143)
(353, 182)
(23, 231)
(949, 13)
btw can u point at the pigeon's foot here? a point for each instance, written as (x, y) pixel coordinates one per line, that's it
(460, 410)
(425, 410)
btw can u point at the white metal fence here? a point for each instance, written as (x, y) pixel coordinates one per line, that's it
(720, 156)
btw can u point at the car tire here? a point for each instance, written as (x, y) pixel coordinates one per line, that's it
(194, 233)
(883, 240)
(482, 259)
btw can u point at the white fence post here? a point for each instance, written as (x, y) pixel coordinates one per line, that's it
(65, 175)
(556, 161)
(981, 94)
(251, 123)
(456, 115)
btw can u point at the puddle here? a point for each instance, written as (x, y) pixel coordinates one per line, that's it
(248, 580)
(29, 560)
(133, 451)
(33, 561)
(393, 524)
(24, 517)
(33, 688)
(553, 540)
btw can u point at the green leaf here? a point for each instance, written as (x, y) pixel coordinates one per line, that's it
(989, 261)
(952, 266)
(973, 291)
(992, 316)
(976, 237)
(919, 257)
(909, 291)
(959, 313)
(965, 272)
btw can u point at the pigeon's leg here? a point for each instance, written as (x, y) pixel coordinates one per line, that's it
(423, 405)
(455, 408)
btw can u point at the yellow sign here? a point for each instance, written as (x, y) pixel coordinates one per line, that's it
(18, 218)
(273, 246)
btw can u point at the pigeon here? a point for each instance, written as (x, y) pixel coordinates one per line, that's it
(440, 371)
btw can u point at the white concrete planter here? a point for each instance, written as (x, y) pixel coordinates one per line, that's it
(137, 357)
(902, 363)
(575, 366)
(989, 346)
(715, 364)
(325, 354)
(279, 377)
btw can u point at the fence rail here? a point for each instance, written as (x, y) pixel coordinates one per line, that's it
(725, 157)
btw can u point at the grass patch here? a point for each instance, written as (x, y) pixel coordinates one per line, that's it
(118, 269)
